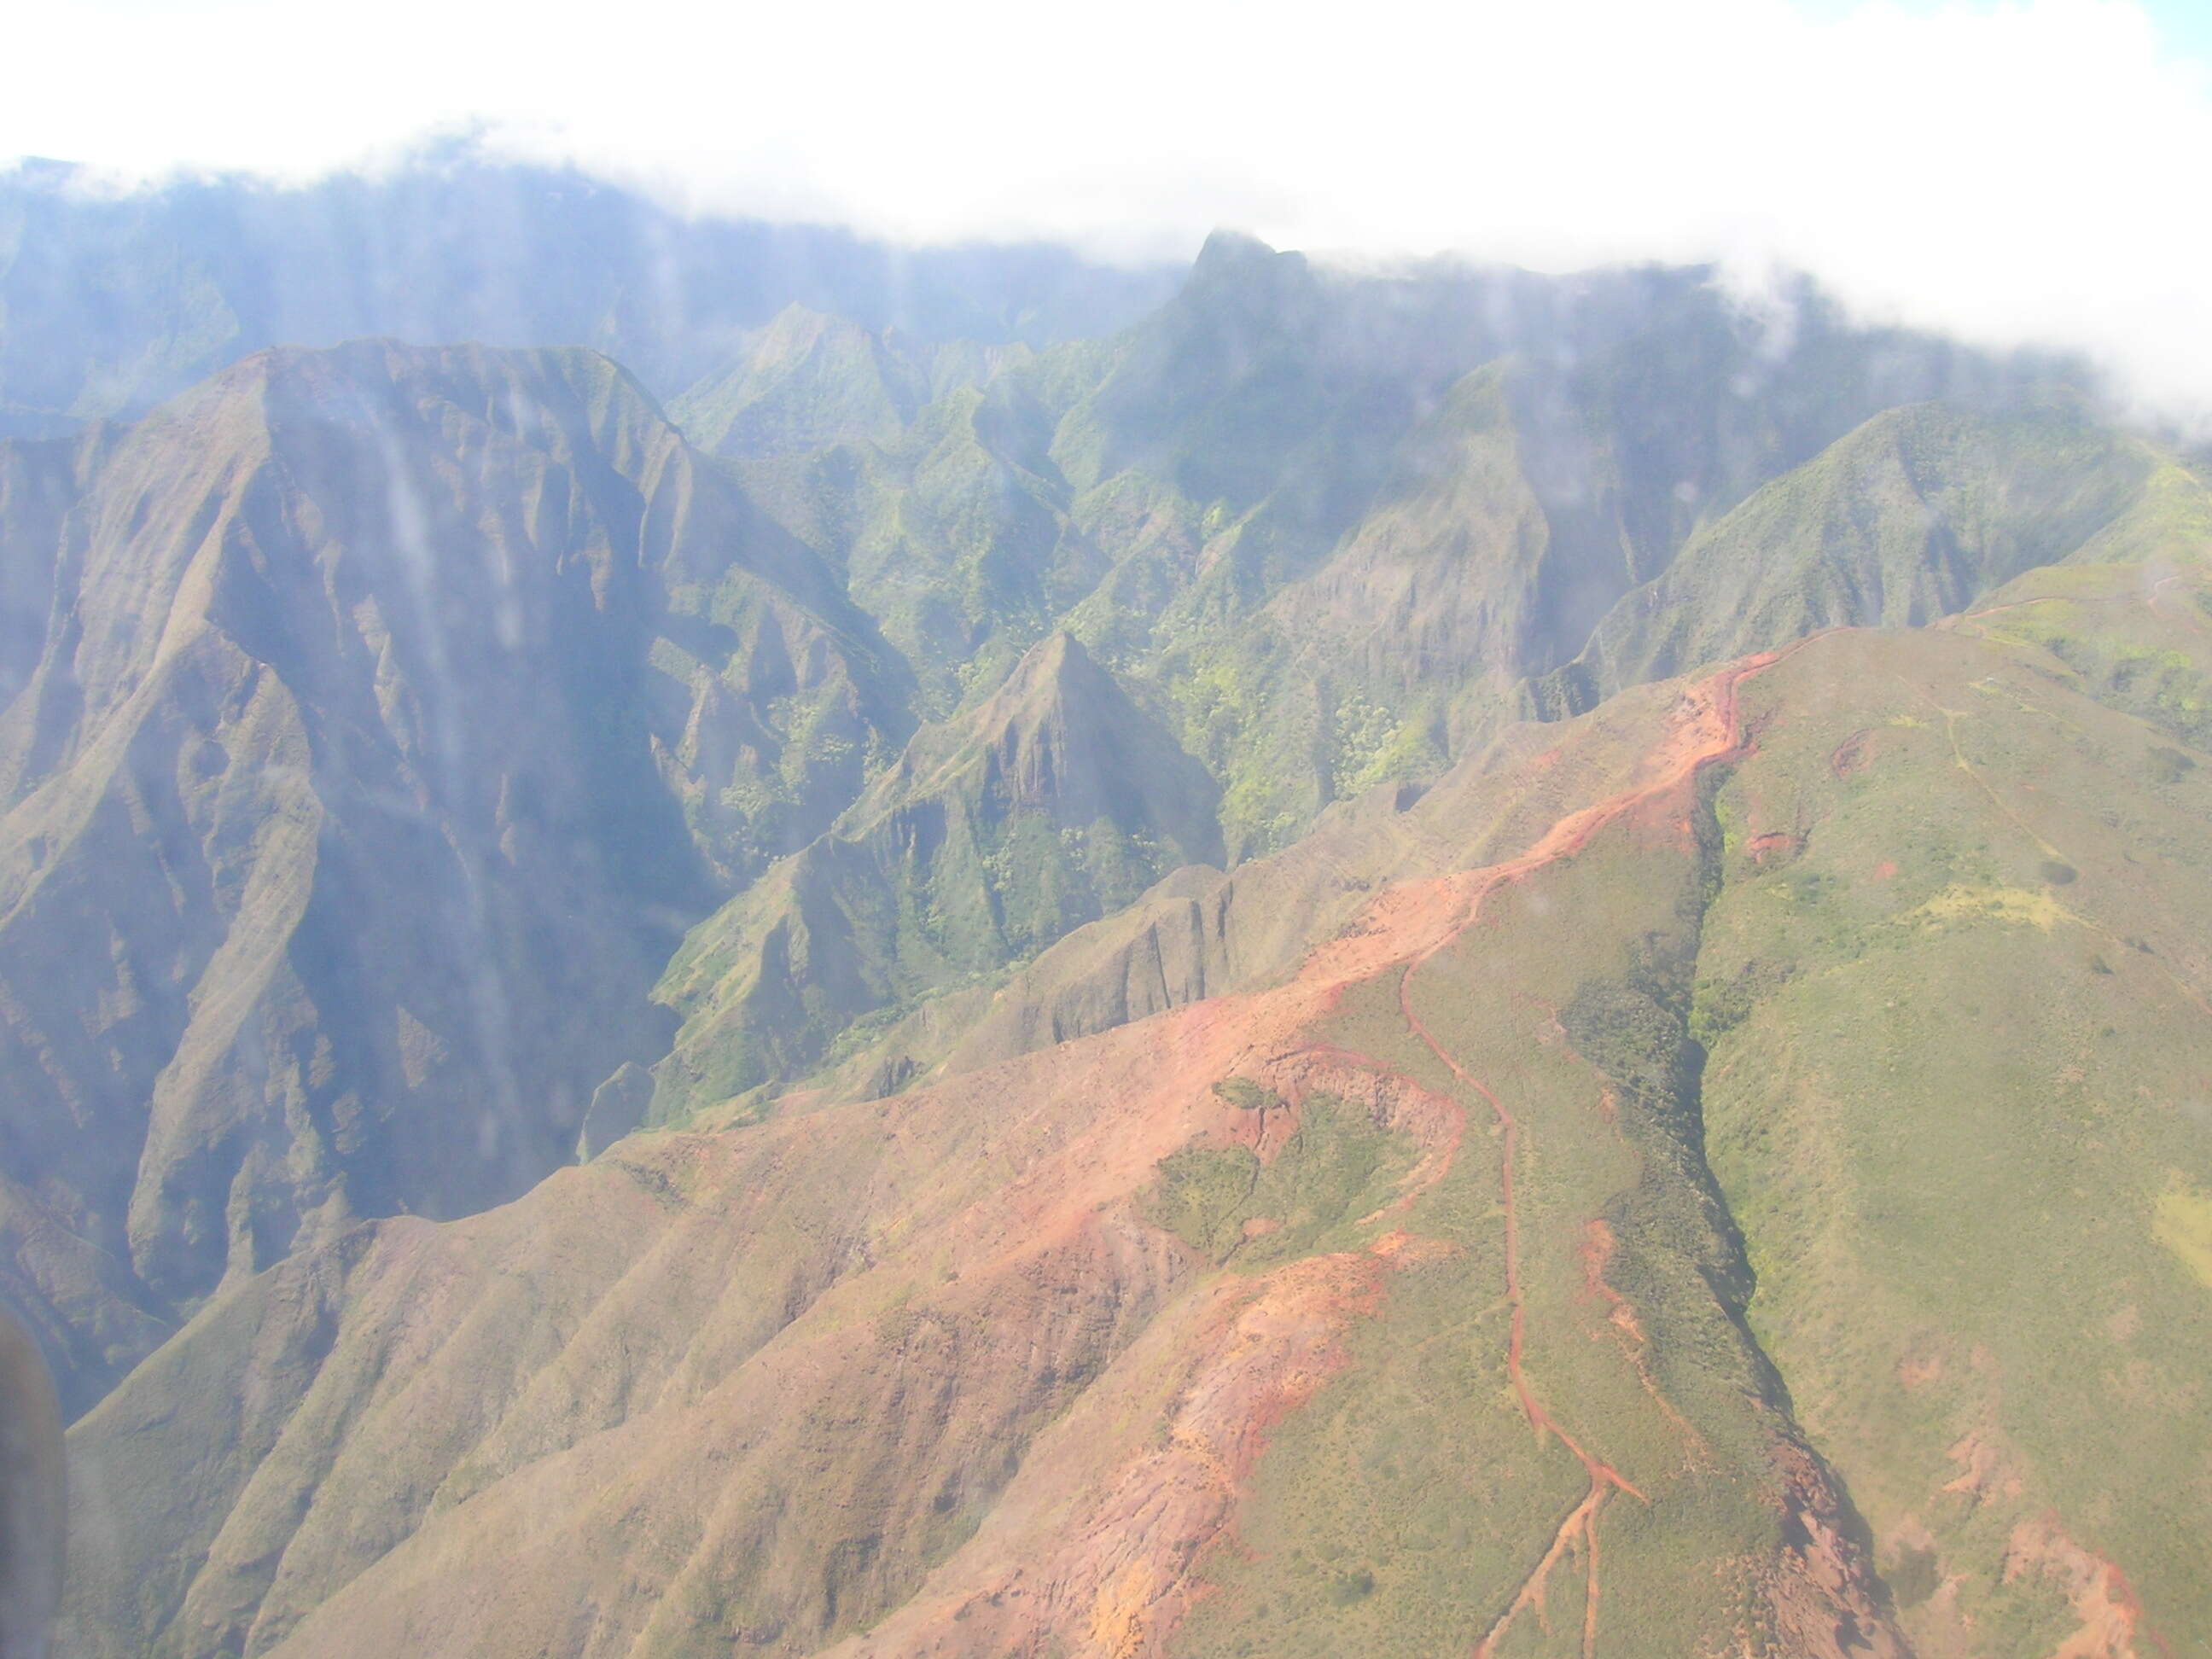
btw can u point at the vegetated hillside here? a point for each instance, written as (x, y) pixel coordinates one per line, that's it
(112, 302)
(1911, 517)
(1733, 1185)
(1055, 803)
(1243, 501)
(1329, 531)
(395, 711)
(1317, 532)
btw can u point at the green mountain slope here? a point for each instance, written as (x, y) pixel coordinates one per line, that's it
(1914, 516)
(1250, 502)
(1951, 996)
(1334, 530)
(811, 381)
(1053, 804)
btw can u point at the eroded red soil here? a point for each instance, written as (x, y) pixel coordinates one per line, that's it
(1115, 1572)
(2098, 1591)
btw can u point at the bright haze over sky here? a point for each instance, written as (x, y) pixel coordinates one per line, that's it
(2026, 172)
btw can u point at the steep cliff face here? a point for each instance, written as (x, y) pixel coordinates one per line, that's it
(400, 708)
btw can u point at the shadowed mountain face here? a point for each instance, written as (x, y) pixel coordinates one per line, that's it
(1382, 964)
(398, 710)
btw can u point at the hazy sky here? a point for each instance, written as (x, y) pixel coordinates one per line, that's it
(2033, 170)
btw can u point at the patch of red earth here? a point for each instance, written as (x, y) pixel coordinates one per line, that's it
(1775, 845)
(1118, 1571)
(1113, 1573)
(1580, 1527)
(1264, 1130)
(1821, 1601)
(1886, 870)
(1854, 754)
(1402, 1248)
(2095, 1588)
(1434, 1122)
(1984, 1468)
(1597, 1251)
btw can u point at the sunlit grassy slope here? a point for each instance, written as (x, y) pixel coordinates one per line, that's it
(1957, 1013)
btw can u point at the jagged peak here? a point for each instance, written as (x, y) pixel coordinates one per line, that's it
(799, 328)
(1055, 657)
(1234, 262)
(1055, 678)
(1058, 698)
(1227, 249)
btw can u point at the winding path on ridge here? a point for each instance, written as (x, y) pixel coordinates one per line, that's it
(1721, 740)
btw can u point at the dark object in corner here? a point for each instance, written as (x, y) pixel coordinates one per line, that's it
(30, 1524)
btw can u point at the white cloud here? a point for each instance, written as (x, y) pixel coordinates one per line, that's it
(2026, 172)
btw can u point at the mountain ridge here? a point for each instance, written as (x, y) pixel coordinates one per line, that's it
(1385, 959)
(1275, 1108)
(1054, 802)
(253, 656)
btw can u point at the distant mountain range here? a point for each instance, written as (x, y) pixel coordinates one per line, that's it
(115, 301)
(712, 939)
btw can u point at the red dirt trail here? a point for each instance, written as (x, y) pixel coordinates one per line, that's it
(1721, 741)
(1708, 734)
(2194, 625)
